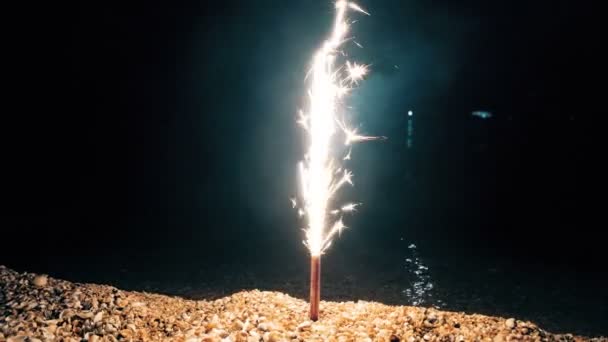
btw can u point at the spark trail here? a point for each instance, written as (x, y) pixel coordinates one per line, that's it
(332, 77)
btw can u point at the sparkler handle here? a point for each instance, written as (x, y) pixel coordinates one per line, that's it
(315, 286)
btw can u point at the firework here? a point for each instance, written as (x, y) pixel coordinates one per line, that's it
(332, 78)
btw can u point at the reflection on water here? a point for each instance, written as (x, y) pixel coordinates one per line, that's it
(420, 291)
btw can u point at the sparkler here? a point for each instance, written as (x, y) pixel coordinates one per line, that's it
(321, 174)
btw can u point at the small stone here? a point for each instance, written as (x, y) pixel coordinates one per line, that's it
(121, 302)
(274, 337)
(127, 333)
(41, 280)
(304, 326)
(510, 323)
(17, 339)
(499, 338)
(241, 337)
(85, 315)
(98, 317)
(210, 339)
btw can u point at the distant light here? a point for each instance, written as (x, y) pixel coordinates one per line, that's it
(410, 113)
(482, 114)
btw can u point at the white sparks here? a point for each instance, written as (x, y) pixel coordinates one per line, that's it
(347, 156)
(350, 207)
(337, 228)
(357, 8)
(356, 72)
(321, 175)
(351, 135)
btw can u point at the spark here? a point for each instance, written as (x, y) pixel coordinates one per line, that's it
(337, 228)
(356, 72)
(351, 135)
(347, 177)
(321, 176)
(350, 207)
(357, 8)
(347, 156)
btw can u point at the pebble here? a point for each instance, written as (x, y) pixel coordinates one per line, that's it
(64, 311)
(41, 280)
(304, 326)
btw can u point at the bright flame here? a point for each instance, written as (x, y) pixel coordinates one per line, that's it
(320, 172)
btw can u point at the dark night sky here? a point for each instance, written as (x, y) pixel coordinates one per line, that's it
(168, 128)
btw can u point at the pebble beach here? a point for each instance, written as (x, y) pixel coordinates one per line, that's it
(40, 308)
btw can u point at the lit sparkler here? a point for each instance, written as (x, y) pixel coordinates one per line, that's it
(321, 175)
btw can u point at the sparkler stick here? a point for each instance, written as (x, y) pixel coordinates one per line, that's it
(321, 174)
(315, 286)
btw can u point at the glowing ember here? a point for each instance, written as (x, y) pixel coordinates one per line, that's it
(320, 171)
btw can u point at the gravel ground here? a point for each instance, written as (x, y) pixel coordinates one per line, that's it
(39, 308)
